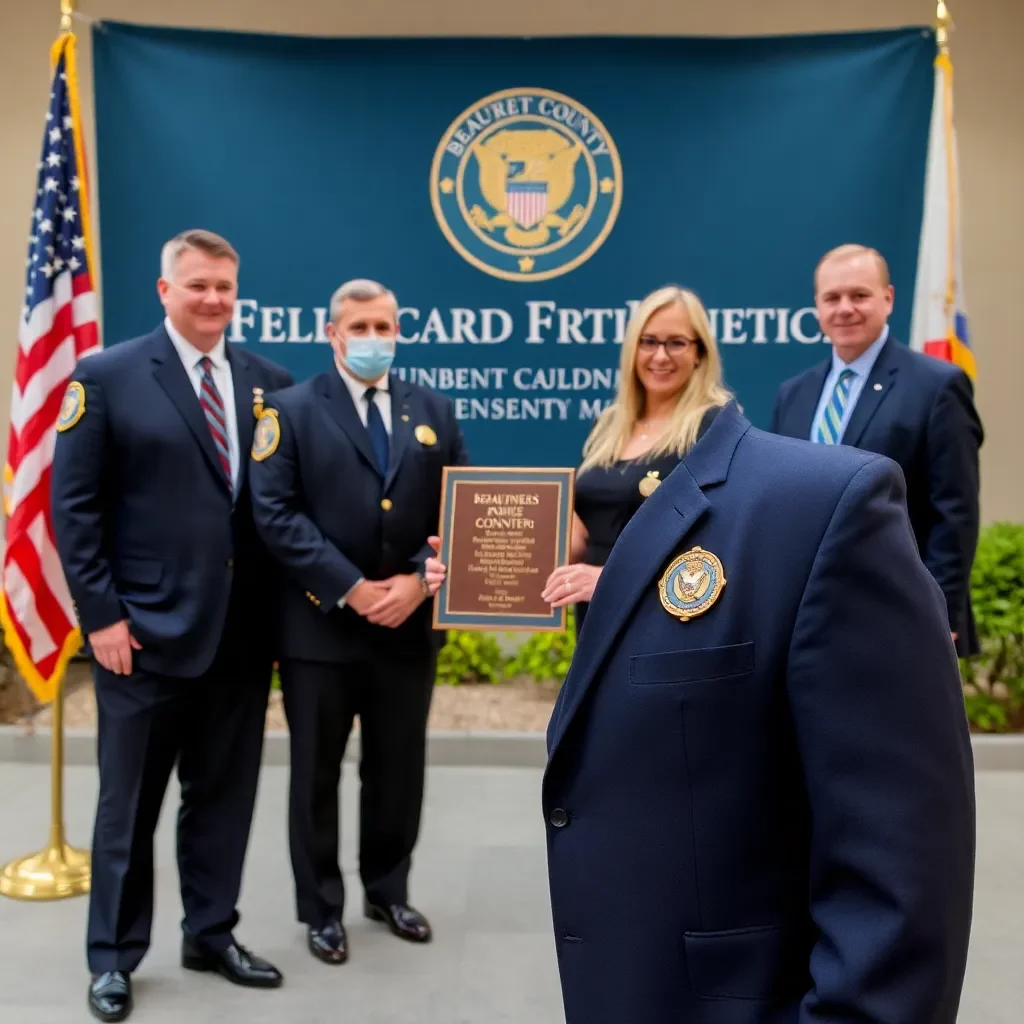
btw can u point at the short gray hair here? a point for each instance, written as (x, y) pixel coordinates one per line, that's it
(205, 241)
(362, 290)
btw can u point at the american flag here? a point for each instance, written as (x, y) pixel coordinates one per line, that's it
(58, 325)
(939, 323)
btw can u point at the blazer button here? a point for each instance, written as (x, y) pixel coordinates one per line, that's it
(230, 563)
(559, 818)
(386, 504)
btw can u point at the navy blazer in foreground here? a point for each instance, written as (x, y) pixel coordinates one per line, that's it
(330, 516)
(765, 814)
(919, 411)
(146, 527)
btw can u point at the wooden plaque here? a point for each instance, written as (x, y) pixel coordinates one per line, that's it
(503, 532)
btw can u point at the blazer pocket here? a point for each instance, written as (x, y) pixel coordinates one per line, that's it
(740, 964)
(704, 663)
(140, 570)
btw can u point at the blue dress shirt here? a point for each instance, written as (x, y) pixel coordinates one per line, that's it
(861, 367)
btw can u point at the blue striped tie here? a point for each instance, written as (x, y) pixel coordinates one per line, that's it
(832, 417)
(213, 407)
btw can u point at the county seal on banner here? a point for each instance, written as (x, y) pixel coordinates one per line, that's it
(526, 184)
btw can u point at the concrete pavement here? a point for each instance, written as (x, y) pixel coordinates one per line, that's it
(480, 878)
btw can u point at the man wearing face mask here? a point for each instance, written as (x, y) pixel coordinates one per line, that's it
(346, 478)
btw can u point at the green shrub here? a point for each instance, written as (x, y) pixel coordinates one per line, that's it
(546, 656)
(469, 657)
(994, 680)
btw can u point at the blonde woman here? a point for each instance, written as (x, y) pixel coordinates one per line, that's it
(670, 391)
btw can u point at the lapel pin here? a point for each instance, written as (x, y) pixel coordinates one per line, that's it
(878, 387)
(425, 435)
(257, 402)
(405, 419)
(650, 483)
(691, 584)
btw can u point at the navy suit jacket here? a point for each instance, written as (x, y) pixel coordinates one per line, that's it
(146, 526)
(329, 515)
(765, 814)
(922, 416)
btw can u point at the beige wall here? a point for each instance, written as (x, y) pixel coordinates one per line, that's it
(989, 92)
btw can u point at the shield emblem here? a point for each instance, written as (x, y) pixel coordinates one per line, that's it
(526, 202)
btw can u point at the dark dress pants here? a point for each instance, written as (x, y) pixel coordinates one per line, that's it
(212, 726)
(392, 699)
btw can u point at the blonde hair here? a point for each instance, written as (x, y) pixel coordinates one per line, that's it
(704, 390)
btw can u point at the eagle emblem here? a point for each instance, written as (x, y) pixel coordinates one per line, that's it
(529, 176)
(526, 184)
(691, 584)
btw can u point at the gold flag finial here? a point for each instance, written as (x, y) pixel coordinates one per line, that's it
(943, 23)
(67, 9)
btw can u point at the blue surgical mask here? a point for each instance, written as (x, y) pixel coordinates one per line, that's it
(368, 356)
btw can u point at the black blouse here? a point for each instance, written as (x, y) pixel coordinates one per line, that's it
(607, 497)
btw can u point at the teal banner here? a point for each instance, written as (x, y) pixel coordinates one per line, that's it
(518, 195)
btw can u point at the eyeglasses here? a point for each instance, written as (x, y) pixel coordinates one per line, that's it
(674, 346)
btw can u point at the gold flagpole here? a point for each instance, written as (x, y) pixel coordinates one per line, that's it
(58, 870)
(943, 25)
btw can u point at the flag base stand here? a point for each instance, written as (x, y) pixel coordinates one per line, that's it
(58, 871)
(55, 873)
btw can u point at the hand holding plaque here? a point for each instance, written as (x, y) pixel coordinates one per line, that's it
(503, 532)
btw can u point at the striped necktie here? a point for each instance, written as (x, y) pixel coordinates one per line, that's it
(829, 426)
(213, 407)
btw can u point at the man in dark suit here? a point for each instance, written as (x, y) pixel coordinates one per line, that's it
(175, 594)
(759, 795)
(876, 394)
(346, 484)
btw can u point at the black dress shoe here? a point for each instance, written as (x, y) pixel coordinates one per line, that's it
(329, 944)
(403, 920)
(110, 996)
(235, 963)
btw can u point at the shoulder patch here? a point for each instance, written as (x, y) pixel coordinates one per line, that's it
(72, 408)
(266, 436)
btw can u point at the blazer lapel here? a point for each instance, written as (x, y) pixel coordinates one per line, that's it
(342, 410)
(401, 425)
(655, 532)
(243, 381)
(173, 378)
(879, 383)
(805, 402)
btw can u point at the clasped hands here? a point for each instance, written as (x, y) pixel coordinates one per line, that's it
(568, 584)
(387, 602)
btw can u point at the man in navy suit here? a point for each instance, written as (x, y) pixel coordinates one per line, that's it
(876, 394)
(175, 594)
(346, 480)
(759, 796)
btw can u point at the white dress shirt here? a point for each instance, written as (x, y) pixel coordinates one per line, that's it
(221, 372)
(382, 399)
(861, 367)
